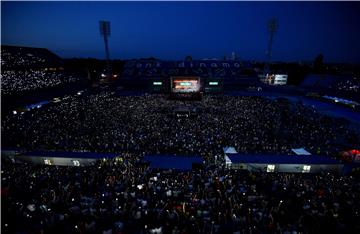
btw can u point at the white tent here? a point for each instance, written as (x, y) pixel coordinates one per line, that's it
(301, 151)
(228, 150)
(227, 161)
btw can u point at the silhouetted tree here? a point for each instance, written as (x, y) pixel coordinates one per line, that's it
(188, 58)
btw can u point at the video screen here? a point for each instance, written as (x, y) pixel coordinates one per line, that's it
(185, 85)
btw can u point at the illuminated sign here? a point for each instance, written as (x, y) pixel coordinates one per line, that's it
(185, 64)
(157, 83)
(185, 83)
(213, 83)
(204, 68)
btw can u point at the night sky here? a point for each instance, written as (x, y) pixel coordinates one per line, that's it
(172, 30)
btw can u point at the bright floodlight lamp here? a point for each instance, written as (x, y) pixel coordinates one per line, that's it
(105, 32)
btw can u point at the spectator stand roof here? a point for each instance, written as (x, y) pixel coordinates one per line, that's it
(282, 159)
(176, 162)
(85, 155)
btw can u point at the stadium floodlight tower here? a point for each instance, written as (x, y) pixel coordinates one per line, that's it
(105, 32)
(272, 29)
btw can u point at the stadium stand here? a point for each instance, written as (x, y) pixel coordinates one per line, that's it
(128, 162)
(27, 69)
(16, 57)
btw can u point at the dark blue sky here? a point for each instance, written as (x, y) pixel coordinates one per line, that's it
(172, 30)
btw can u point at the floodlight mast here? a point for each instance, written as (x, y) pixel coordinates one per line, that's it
(105, 32)
(272, 29)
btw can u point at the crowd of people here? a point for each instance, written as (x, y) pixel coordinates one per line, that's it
(123, 196)
(20, 59)
(17, 81)
(13, 57)
(25, 69)
(107, 122)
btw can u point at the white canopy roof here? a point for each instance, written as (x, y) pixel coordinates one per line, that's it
(301, 151)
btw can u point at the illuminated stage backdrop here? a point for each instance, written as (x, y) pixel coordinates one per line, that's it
(185, 84)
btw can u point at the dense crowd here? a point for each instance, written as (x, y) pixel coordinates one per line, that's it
(106, 122)
(13, 57)
(16, 81)
(123, 196)
(28, 69)
(21, 59)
